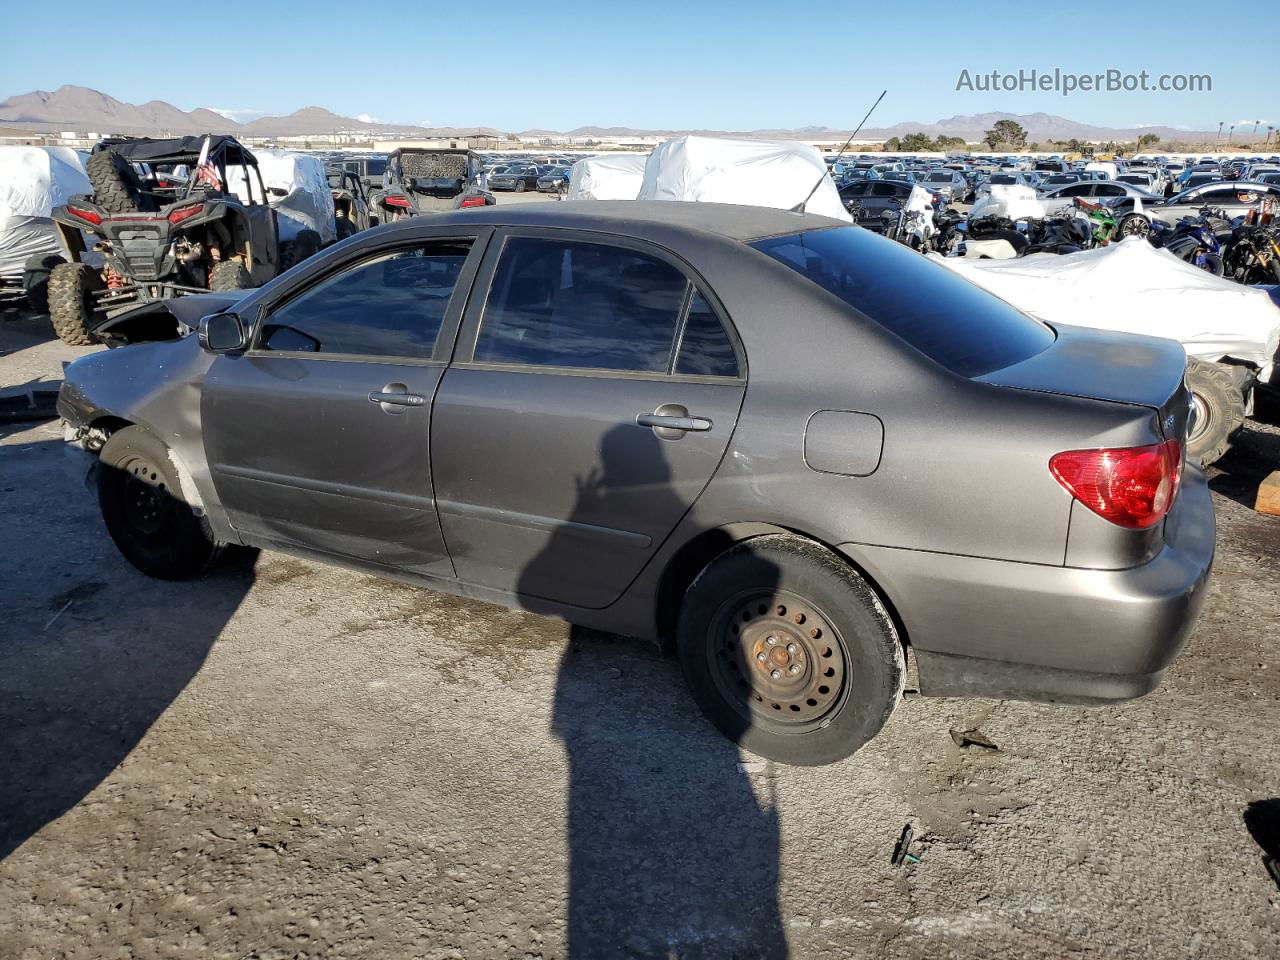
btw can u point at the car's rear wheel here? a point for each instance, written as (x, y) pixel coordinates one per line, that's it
(140, 495)
(789, 652)
(1135, 225)
(71, 301)
(1217, 410)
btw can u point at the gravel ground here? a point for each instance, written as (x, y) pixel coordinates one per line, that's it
(292, 760)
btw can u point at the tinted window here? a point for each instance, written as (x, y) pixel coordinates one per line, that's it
(571, 304)
(391, 306)
(1108, 190)
(882, 189)
(856, 189)
(944, 316)
(705, 348)
(376, 166)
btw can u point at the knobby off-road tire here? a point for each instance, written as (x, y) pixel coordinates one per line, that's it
(789, 652)
(304, 245)
(140, 496)
(71, 287)
(114, 186)
(1218, 410)
(229, 275)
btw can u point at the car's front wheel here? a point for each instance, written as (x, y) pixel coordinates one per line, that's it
(140, 495)
(789, 652)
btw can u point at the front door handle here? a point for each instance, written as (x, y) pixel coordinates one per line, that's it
(672, 421)
(395, 397)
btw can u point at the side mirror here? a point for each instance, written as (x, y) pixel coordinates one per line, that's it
(222, 333)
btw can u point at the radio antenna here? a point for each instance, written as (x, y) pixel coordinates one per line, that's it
(799, 207)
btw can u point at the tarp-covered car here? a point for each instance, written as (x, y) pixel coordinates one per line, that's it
(1132, 287)
(34, 180)
(613, 176)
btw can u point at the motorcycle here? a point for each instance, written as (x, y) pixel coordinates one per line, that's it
(1197, 240)
(1254, 254)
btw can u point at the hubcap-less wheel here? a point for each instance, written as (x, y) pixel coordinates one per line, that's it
(147, 505)
(777, 659)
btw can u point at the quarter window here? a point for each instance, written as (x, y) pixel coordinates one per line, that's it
(705, 348)
(574, 304)
(390, 306)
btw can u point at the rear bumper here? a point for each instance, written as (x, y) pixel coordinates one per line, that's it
(991, 628)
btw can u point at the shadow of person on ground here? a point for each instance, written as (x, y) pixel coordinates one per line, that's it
(1262, 819)
(670, 851)
(91, 651)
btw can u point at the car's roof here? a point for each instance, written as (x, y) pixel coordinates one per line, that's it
(639, 217)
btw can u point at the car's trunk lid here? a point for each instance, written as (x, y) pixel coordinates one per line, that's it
(1103, 365)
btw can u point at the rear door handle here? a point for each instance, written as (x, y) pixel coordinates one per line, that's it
(672, 421)
(394, 397)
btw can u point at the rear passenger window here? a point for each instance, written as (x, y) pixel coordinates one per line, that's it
(572, 304)
(705, 348)
(390, 306)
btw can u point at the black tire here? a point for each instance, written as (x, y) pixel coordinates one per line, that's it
(140, 496)
(229, 275)
(520, 186)
(346, 228)
(1217, 410)
(832, 668)
(71, 288)
(1213, 264)
(1134, 225)
(35, 280)
(115, 187)
(304, 245)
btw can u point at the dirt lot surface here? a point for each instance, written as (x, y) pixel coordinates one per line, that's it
(291, 760)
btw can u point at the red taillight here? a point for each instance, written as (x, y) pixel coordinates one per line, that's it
(87, 215)
(396, 200)
(185, 213)
(1130, 486)
(472, 201)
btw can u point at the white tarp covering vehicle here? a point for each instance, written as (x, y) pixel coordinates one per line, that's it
(1135, 288)
(1015, 201)
(613, 176)
(763, 173)
(307, 201)
(34, 180)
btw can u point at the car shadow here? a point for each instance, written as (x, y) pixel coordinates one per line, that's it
(1253, 456)
(92, 653)
(671, 852)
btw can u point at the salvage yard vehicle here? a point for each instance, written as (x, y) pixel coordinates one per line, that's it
(429, 180)
(517, 177)
(565, 390)
(1234, 198)
(350, 203)
(162, 237)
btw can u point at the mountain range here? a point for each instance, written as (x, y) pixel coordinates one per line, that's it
(84, 109)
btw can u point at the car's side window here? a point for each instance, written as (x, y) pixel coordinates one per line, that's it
(391, 305)
(705, 348)
(565, 303)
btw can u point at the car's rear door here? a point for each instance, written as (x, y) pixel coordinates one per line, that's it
(592, 395)
(318, 435)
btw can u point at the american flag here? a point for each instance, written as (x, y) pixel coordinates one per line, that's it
(205, 171)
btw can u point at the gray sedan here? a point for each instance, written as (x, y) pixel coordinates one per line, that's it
(790, 451)
(1234, 197)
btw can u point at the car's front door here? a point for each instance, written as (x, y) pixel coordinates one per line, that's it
(318, 435)
(592, 396)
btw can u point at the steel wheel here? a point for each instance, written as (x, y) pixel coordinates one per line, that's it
(147, 506)
(777, 658)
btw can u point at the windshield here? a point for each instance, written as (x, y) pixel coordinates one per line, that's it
(939, 313)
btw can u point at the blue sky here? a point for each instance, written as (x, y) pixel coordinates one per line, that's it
(730, 66)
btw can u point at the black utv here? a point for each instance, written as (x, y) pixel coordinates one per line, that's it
(168, 217)
(421, 180)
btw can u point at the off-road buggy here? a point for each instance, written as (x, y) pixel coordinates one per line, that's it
(350, 202)
(170, 217)
(419, 180)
